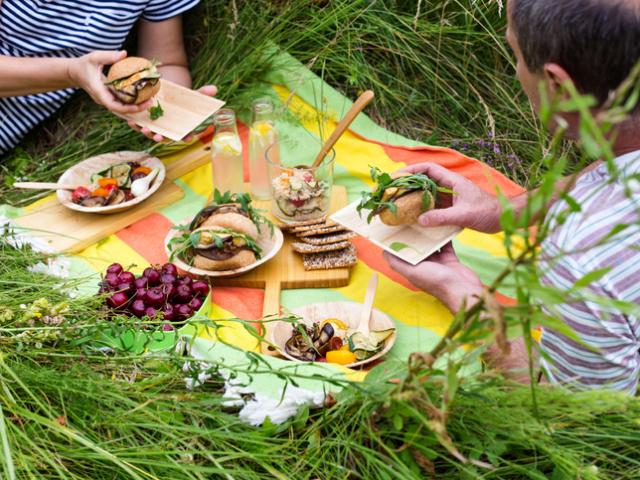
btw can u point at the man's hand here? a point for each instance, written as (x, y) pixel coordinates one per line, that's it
(209, 90)
(86, 72)
(443, 276)
(468, 207)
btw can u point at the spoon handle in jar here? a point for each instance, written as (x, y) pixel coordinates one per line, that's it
(362, 101)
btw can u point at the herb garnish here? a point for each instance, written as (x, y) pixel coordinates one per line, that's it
(156, 112)
(183, 246)
(418, 181)
(244, 199)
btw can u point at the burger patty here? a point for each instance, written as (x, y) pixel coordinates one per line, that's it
(215, 253)
(130, 92)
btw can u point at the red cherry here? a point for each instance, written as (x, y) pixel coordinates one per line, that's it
(200, 288)
(127, 277)
(115, 268)
(138, 308)
(117, 300)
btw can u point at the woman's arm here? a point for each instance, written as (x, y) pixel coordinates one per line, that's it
(29, 75)
(163, 41)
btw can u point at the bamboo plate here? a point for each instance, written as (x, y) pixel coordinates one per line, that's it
(270, 245)
(348, 312)
(80, 174)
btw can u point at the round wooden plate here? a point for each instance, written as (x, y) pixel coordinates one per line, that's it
(270, 245)
(80, 174)
(348, 312)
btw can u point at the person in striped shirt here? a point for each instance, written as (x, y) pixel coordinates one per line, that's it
(49, 49)
(594, 44)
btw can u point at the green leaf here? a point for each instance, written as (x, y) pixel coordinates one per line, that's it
(397, 246)
(591, 277)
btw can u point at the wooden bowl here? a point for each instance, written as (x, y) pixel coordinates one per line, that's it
(80, 174)
(270, 245)
(348, 312)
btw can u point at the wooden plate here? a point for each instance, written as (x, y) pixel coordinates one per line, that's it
(80, 174)
(348, 312)
(270, 245)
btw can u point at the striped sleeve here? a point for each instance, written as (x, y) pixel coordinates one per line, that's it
(607, 356)
(159, 10)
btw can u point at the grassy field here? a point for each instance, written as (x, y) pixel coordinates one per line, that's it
(442, 74)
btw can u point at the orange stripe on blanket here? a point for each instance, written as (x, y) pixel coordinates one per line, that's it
(244, 303)
(147, 236)
(476, 171)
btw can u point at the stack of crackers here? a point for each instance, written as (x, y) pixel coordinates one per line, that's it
(323, 244)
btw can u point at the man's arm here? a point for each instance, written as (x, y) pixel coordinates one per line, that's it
(28, 75)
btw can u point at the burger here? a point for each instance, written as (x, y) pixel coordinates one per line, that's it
(399, 198)
(134, 80)
(226, 215)
(219, 248)
(222, 236)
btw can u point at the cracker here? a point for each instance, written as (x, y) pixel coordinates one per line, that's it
(306, 228)
(287, 227)
(328, 238)
(321, 231)
(308, 248)
(327, 260)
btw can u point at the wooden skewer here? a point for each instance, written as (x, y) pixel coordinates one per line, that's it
(44, 186)
(362, 101)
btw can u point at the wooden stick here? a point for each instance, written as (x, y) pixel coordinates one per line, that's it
(353, 112)
(44, 186)
(365, 316)
(271, 306)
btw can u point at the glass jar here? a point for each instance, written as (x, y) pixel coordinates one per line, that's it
(262, 135)
(226, 153)
(299, 192)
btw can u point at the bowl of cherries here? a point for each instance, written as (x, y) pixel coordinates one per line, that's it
(159, 295)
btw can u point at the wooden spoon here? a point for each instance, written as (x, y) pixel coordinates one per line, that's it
(45, 186)
(365, 316)
(362, 101)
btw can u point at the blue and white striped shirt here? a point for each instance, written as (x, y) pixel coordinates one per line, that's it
(608, 354)
(65, 29)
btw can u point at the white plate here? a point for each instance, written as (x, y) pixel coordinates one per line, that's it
(80, 174)
(411, 243)
(270, 245)
(348, 312)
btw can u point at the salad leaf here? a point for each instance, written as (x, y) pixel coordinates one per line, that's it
(156, 112)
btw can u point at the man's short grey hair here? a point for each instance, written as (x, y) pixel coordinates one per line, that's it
(596, 41)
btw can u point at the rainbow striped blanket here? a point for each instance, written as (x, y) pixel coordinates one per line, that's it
(420, 318)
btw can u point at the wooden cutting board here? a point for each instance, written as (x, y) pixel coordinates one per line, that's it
(285, 270)
(69, 231)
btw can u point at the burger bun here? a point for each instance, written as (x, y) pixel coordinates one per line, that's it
(241, 259)
(126, 68)
(233, 221)
(408, 208)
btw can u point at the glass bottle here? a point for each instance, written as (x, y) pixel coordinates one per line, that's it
(226, 153)
(262, 135)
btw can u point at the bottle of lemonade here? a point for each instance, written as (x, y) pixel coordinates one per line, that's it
(226, 153)
(262, 135)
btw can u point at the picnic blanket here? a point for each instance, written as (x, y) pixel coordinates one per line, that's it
(420, 318)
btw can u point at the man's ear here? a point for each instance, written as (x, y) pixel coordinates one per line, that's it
(554, 77)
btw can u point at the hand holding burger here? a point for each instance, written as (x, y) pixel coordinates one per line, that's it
(399, 198)
(86, 72)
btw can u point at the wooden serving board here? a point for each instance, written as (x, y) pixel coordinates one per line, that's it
(69, 231)
(285, 270)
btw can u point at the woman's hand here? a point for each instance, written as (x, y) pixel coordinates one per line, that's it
(443, 276)
(209, 90)
(86, 72)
